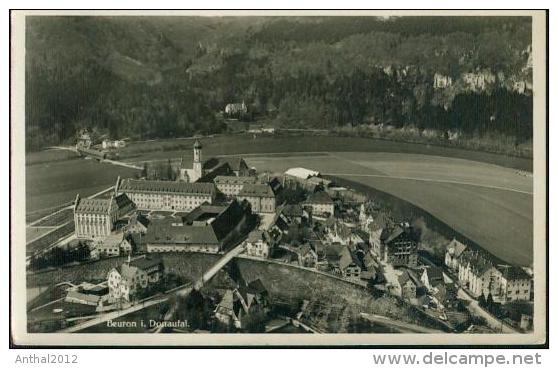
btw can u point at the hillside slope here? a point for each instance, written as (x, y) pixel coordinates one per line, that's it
(148, 77)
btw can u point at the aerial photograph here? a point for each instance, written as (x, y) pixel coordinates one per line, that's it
(278, 175)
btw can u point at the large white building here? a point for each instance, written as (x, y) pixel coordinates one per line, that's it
(166, 195)
(94, 218)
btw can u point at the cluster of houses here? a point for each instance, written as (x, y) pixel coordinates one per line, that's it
(334, 235)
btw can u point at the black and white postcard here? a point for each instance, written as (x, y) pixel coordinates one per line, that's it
(250, 178)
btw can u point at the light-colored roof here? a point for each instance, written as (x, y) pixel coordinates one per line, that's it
(72, 294)
(113, 240)
(255, 236)
(302, 173)
(457, 246)
(160, 186)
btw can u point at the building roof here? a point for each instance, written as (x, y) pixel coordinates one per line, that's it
(389, 237)
(89, 298)
(347, 258)
(317, 181)
(203, 212)
(226, 303)
(434, 274)
(257, 287)
(409, 275)
(319, 198)
(111, 241)
(98, 206)
(292, 210)
(255, 235)
(304, 249)
(237, 180)
(235, 163)
(145, 263)
(302, 173)
(361, 234)
(123, 201)
(513, 273)
(256, 190)
(128, 272)
(167, 231)
(139, 219)
(160, 186)
(458, 247)
(478, 262)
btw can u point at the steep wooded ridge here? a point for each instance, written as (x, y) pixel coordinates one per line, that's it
(149, 77)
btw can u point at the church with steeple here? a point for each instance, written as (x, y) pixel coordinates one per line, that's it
(206, 171)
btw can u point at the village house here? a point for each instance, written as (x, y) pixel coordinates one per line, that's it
(133, 276)
(260, 197)
(408, 285)
(454, 250)
(343, 262)
(158, 195)
(375, 230)
(400, 246)
(320, 204)
(113, 245)
(258, 244)
(95, 218)
(431, 277)
(307, 257)
(478, 274)
(232, 185)
(515, 284)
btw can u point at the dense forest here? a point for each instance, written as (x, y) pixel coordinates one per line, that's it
(149, 77)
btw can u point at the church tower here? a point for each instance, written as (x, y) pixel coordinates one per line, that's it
(197, 167)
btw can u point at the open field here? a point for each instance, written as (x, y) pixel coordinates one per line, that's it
(57, 182)
(247, 144)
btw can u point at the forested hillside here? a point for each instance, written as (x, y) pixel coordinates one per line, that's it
(148, 77)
